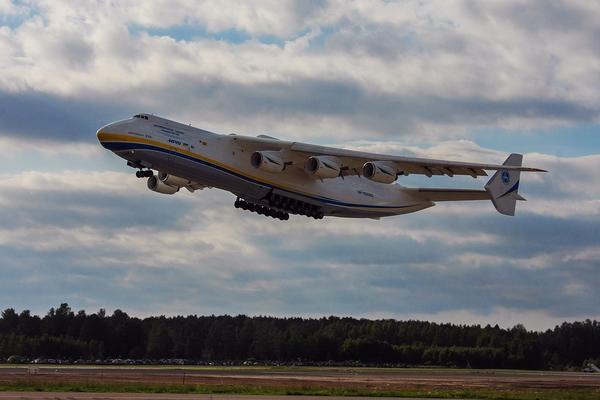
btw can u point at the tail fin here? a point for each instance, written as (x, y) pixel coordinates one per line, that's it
(504, 186)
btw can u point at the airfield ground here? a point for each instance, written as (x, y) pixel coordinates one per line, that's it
(273, 381)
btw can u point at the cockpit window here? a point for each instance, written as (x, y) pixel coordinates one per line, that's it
(141, 116)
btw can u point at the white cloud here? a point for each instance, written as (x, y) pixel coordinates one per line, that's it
(12, 145)
(11, 8)
(274, 17)
(115, 183)
(502, 71)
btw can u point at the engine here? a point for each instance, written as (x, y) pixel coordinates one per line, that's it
(323, 167)
(157, 185)
(267, 161)
(173, 180)
(379, 171)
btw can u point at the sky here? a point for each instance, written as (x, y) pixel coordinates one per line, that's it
(457, 79)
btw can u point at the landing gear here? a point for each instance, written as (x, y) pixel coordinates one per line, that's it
(144, 174)
(281, 207)
(262, 210)
(295, 206)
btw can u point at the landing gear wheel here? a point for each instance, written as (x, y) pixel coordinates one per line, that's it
(268, 211)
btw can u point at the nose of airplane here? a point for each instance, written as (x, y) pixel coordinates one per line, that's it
(102, 133)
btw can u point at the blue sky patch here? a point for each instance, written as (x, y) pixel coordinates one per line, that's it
(192, 32)
(572, 141)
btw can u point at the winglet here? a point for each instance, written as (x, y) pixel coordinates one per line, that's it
(503, 187)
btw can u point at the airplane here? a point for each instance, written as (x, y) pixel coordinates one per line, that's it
(276, 178)
(591, 367)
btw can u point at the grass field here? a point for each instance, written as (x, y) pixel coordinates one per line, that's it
(515, 394)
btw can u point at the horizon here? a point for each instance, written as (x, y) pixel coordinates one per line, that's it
(109, 313)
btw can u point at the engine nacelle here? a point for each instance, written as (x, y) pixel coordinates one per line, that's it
(323, 167)
(267, 161)
(156, 185)
(173, 180)
(380, 171)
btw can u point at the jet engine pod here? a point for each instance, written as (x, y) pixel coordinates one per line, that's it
(267, 161)
(323, 167)
(159, 186)
(379, 171)
(173, 180)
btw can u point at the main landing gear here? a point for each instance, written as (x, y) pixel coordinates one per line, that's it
(262, 210)
(294, 206)
(278, 203)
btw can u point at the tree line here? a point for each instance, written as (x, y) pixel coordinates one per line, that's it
(65, 334)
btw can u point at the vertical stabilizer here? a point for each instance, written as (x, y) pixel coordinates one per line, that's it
(503, 187)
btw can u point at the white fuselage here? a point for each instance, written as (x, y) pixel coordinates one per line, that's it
(221, 161)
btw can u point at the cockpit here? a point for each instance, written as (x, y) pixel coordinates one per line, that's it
(142, 116)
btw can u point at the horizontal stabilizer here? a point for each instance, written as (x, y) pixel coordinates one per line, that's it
(452, 194)
(516, 196)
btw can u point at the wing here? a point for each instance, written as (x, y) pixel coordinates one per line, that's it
(352, 161)
(355, 160)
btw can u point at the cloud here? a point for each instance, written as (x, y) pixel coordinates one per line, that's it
(10, 8)
(279, 18)
(504, 317)
(340, 70)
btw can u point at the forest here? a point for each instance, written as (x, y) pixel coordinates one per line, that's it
(68, 335)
